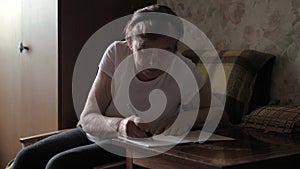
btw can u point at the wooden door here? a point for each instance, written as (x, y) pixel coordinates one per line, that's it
(10, 11)
(28, 80)
(38, 86)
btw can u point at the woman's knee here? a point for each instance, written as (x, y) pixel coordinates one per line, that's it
(58, 161)
(65, 160)
(28, 156)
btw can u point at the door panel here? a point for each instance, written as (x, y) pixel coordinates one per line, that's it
(10, 11)
(28, 80)
(38, 67)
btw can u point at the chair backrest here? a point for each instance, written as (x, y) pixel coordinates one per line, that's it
(248, 74)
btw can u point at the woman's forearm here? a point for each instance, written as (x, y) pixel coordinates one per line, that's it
(99, 125)
(93, 120)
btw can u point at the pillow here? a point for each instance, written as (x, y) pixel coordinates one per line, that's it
(280, 119)
(248, 75)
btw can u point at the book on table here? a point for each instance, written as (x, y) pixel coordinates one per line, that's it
(169, 140)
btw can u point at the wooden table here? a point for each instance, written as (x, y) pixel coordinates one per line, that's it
(252, 149)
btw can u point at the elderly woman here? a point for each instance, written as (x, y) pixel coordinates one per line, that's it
(148, 56)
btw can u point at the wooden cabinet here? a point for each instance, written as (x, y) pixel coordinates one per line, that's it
(78, 20)
(36, 85)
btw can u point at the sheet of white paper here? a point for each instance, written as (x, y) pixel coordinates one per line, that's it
(163, 140)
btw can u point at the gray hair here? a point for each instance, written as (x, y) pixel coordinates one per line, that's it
(144, 21)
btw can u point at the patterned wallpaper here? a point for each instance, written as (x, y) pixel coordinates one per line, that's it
(271, 26)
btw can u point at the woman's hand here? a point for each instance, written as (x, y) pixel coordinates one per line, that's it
(173, 127)
(133, 127)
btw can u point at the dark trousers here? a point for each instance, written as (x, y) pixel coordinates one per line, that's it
(67, 150)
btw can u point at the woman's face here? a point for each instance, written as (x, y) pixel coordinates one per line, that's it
(150, 54)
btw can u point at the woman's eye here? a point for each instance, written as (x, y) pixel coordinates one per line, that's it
(170, 49)
(141, 47)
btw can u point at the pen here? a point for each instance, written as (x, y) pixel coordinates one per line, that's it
(131, 109)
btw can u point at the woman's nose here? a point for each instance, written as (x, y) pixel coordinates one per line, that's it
(154, 57)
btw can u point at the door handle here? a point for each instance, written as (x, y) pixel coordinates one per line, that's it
(22, 47)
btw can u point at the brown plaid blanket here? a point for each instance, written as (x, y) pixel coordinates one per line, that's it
(280, 119)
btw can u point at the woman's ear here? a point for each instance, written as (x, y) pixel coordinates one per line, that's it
(129, 42)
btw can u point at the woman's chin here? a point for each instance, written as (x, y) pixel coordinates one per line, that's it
(150, 74)
(153, 72)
